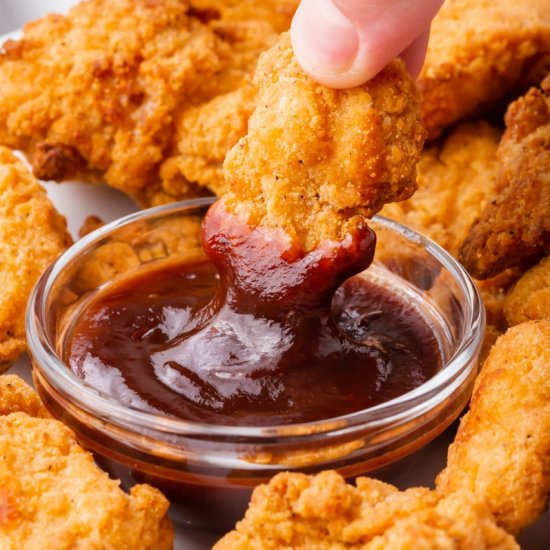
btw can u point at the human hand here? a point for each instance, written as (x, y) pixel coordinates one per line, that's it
(344, 43)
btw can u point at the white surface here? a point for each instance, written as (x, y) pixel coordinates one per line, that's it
(77, 201)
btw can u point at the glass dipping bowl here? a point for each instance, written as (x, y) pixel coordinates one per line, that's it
(208, 471)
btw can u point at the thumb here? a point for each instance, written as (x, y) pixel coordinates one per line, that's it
(344, 43)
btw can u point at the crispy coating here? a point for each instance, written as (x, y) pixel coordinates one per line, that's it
(204, 135)
(278, 13)
(529, 299)
(514, 228)
(502, 448)
(17, 396)
(91, 223)
(298, 511)
(32, 235)
(316, 160)
(456, 178)
(478, 51)
(52, 495)
(110, 91)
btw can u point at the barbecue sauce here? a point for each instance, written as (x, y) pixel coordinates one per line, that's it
(259, 334)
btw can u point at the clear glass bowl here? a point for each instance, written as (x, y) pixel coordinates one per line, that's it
(208, 471)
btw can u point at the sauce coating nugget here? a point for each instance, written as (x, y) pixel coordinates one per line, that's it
(315, 160)
(52, 495)
(502, 448)
(323, 512)
(514, 228)
(32, 235)
(479, 50)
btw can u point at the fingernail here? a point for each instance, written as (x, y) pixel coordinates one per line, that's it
(323, 38)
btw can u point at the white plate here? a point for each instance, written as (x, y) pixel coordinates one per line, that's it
(77, 201)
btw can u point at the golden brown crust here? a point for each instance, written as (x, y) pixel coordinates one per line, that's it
(479, 50)
(529, 299)
(316, 159)
(456, 178)
(32, 235)
(514, 228)
(502, 449)
(298, 511)
(17, 396)
(52, 495)
(104, 93)
(91, 223)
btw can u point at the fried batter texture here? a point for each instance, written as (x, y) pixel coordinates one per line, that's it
(514, 228)
(316, 160)
(529, 299)
(298, 511)
(477, 52)
(502, 448)
(32, 235)
(17, 396)
(52, 495)
(115, 88)
(456, 178)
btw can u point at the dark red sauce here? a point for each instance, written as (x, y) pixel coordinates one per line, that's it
(263, 334)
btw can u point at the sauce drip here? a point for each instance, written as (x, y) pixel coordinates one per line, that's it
(265, 334)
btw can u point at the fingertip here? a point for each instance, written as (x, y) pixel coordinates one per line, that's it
(325, 42)
(415, 55)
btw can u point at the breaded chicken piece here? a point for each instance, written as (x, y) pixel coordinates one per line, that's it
(278, 13)
(478, 51)
(32, 235)
(204, 135)
(17, 396)
(104, 93)
(529, 299)
(456, 178)
(323, 512)
(52, 495)
(514, 228)
(316, 160)
(502, 448)
(204, 132)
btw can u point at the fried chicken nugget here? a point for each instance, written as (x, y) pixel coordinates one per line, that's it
(456, 178)
(52, 495)
(529, 299)
(315, 160)
(32, 235)
(514, 228)
(106, 92)
(17, 396)
(502, 448)
(477, 52)
(323, 512)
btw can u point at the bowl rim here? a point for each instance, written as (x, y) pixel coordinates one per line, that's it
(393, 412)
